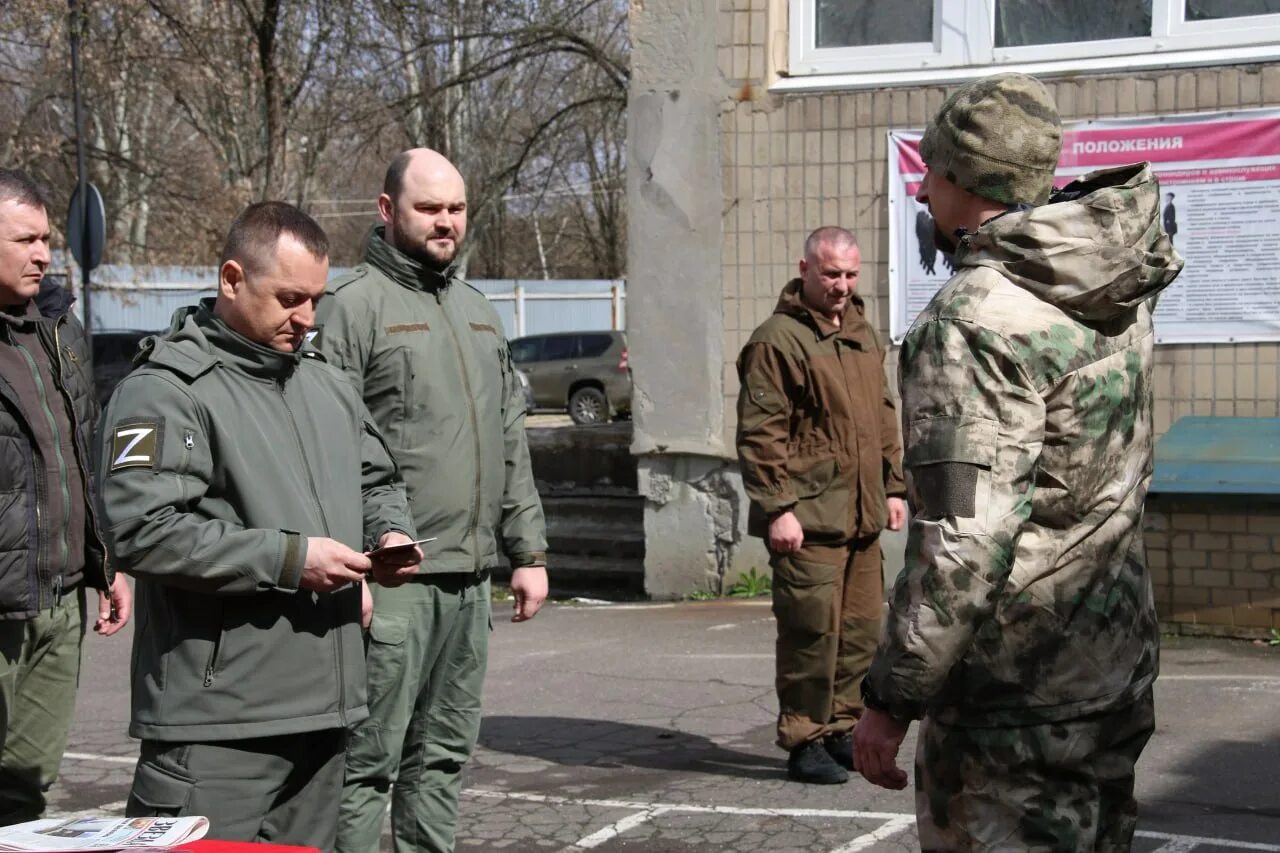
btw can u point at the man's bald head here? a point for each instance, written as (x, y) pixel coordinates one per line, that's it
(422, 161)
(424, 207)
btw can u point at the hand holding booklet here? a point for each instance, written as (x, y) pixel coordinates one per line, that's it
(103, 833)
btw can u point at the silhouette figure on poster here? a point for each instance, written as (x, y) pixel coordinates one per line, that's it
(1170, 216)
(924, 241)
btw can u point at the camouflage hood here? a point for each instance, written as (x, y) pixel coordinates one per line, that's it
(1095, 250)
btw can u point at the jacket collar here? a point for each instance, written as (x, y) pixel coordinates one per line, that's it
(197, 339)
(852, 327)
(401, 268)
(50, 303)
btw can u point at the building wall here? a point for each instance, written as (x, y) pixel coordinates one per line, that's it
(1215, 568)
(787, 164)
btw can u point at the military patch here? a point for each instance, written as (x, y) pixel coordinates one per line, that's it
(946, 489)
(483, 327)
(402, 328)
(136, 443)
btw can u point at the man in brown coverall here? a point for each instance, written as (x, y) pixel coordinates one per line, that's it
(822, 464)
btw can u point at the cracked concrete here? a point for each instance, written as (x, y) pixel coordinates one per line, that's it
(650, 728)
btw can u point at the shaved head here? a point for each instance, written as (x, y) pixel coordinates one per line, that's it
(832, 236)
(424, 207)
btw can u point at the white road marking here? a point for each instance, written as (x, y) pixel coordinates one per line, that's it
(612, 831)
(1260, 679)
(1180, 845)
(109, 759)
(888, 830)
(1212, 842)
(895, 821)
(898, 820)
(727, 625)
(635, 805)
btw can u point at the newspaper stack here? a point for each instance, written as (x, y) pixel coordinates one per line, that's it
(103, 833)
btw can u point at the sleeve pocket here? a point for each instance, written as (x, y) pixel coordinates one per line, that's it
(948, 462)
(158, 792)
(952, 439)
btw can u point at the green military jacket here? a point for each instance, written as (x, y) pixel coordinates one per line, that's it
(1026, 407)
(218, 458)
(428, 355)
(817, 429)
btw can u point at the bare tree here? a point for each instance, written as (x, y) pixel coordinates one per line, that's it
(195, 107)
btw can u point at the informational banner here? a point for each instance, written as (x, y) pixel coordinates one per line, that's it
(1220, 200)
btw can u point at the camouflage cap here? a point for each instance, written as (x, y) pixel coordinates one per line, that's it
(998, 137)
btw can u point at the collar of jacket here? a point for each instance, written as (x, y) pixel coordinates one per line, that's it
(51, 302)
(401, 268)
(197, 328)
(850, 329)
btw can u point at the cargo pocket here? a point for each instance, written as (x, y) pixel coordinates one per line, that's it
(804, 596)
(158, 792)
(823, 501)
(948, 462)
(386, 660)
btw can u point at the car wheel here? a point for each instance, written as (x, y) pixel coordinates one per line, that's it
(588, 406)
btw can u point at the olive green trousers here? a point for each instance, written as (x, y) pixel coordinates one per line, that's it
(428, 649)
(827, 600)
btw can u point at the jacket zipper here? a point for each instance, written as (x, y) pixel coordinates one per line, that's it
(475, 428)
(212, 666)
(82, 455)
(56, 580)
(315, 494)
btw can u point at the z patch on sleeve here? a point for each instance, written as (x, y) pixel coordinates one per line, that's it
(136, 443)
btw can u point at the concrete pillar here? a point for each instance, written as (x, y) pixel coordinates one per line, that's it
(674, 306)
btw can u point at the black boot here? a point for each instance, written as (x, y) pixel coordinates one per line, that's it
(809, 762)
(840, 747)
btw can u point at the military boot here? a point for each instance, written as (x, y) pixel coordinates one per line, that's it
(840, 748)
(809, 762)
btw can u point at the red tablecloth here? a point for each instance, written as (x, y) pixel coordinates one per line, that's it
(208, 845)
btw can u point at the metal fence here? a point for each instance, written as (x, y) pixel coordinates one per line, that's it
(144, 298)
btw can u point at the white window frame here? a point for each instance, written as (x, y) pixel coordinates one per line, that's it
(963, 48)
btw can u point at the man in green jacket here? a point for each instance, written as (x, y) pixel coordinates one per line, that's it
(242, 478)
(1023, 629)
(428, 354)
(52, 545)
(822, 465)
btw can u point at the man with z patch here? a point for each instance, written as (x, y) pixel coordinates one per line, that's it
(1023, 629)
(242, 480)
(822, 465)
(51, 546)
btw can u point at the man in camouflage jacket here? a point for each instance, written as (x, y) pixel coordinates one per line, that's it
(1023, 630)
(822, 465)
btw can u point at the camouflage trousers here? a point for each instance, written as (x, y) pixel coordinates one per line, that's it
(1064, 786)
(827, 600)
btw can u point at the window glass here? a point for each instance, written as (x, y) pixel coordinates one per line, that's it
(560, 347)
(1029, 22)
(594, 346)
(1212, 10)
(524, 350)
(859, 23)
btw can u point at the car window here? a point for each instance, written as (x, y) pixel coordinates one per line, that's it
(560, 347)
(524, 350)
(594, 346)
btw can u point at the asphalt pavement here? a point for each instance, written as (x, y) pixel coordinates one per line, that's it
(649, 727)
